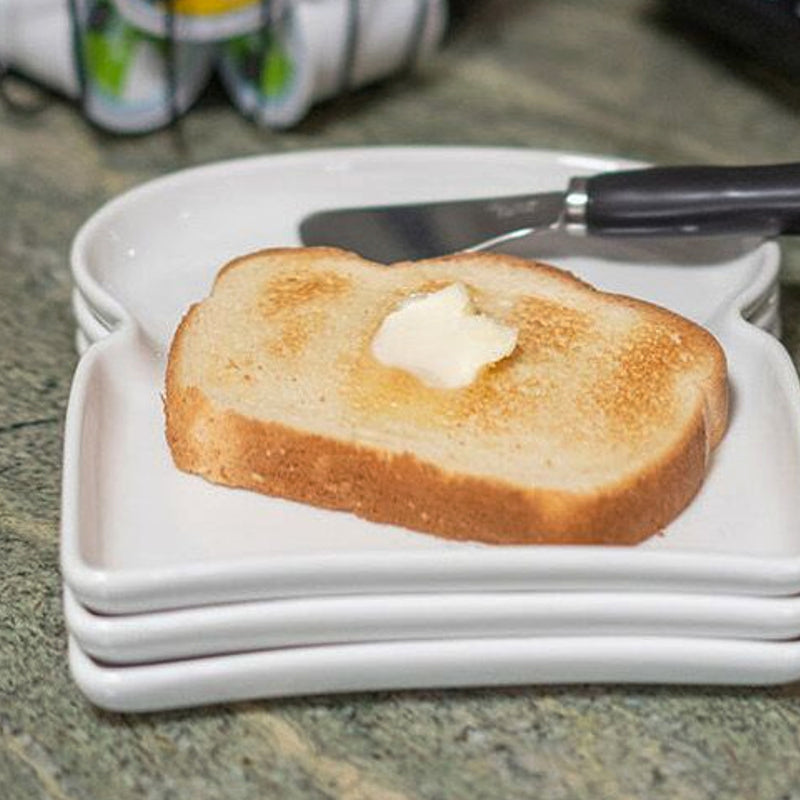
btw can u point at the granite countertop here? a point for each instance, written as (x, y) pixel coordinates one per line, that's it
(612, 77)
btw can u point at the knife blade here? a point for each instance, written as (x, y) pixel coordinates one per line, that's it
(658, 201)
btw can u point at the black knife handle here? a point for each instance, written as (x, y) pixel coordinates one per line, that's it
(762, 200)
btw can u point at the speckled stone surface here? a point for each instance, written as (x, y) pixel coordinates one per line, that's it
(613, 77)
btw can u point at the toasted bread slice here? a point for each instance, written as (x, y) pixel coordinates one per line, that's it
(596, 429)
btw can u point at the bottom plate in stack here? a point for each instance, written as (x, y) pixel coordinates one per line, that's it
(432, 664)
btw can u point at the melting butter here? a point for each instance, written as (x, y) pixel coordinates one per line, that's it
(441, 339)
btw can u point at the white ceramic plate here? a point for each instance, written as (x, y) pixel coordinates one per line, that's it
(235, 627)
(766, 314)
(82, 342)
(90, 325)
(432, 664)
(139, 535)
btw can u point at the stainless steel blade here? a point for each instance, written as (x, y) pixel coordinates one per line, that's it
(422, 230)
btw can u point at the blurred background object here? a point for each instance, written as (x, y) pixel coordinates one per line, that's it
(137, 65)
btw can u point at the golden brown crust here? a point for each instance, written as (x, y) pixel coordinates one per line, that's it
(265, 456)
(301, 254)
(228, 448)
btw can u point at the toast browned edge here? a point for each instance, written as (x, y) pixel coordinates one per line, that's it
(228, 448)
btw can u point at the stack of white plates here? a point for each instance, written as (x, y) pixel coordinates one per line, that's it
(178, 592)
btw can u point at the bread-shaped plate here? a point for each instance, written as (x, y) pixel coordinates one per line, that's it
(139, 535)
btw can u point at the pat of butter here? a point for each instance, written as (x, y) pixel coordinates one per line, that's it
(441, 339)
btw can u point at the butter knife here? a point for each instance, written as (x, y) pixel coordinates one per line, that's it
(656, 201)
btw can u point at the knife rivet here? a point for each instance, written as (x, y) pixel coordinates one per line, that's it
(575, 202)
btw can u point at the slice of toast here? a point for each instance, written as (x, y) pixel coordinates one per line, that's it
(596, 429)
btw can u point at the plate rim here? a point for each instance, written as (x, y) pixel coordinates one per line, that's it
(267, 624)
(107, 305)
(436, 664)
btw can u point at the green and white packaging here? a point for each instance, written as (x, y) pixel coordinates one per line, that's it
(269, 74)
(135, 67)
(127, 81)
(317, 49)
